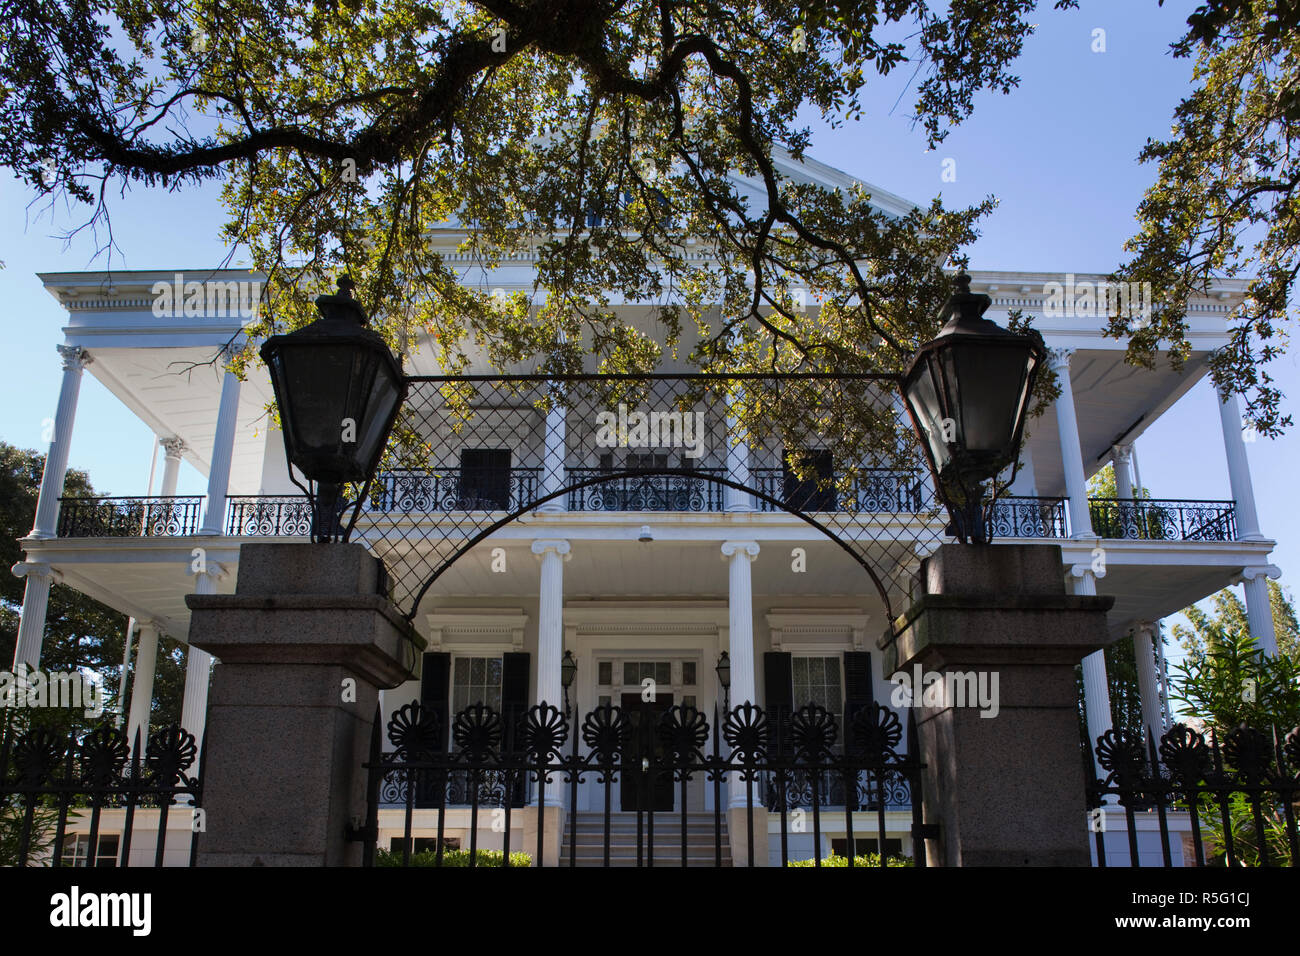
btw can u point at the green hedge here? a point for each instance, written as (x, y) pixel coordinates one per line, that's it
(452, 858)
(866, 859)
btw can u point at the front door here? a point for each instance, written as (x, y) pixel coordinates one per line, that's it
(646, 789)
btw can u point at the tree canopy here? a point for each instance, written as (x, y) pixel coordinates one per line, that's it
(601, 137)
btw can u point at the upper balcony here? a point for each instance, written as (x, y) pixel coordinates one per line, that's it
(458, 491)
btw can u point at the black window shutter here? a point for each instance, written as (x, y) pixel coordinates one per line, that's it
(514, 703)
(435, 693)
(858, 691)
(778, 696)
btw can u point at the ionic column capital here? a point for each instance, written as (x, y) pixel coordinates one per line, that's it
(558, 545)
(1123, 454)
(38, 570)
(748, 548)
(74, 357)
(1263, 570)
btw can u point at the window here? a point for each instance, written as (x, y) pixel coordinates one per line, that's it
(817, 681)
(485, 479)
(688, 673)
(421, 844)
(76, 850)
(634, 672)
(476, 680)
(605, 673)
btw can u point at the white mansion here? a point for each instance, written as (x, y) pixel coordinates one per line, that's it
(638, 586)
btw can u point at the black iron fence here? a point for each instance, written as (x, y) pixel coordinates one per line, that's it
(153, 517)
(51, 782)
(1022, 516)
(796, 768)
(1239, 795)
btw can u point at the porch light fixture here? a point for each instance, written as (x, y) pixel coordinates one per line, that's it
(339, 389)
(724, 678)
(645, 534)
(568, 671)
(967, 393)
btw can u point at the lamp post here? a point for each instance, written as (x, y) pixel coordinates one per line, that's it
(568, 671)
(967, 392)
(339, 389)
(724, 678)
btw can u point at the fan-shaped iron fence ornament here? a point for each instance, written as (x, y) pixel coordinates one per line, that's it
(814, 732)
(171, 752)
(545, 729)
(746, 730)
(603, 731)
(104, 753)
(477, 732)
(37, 755)
(876, 733)
(415, 731)
(684, 730)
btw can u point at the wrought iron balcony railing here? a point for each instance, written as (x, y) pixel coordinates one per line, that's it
(646, 492)
(873, 490)
(454, 489)
(148, 517)
(1163, 520)
(1016, 516)
(268, 516)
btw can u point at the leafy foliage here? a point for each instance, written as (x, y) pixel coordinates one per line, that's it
(1225, 200)
(453, 858)
(1225, 679)
(80, 633)
(864, 860)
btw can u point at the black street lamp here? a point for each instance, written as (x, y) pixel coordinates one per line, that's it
(967, 393)
(724, 678)
(339, 389)
(568, 671)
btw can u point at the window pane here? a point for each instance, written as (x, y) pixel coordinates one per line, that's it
(688, 673)
(604, 700)
(477, 670)
(494, 671)
(631, 674)
(688, 700)
(663, 673)
(462, 670)
(605, 672)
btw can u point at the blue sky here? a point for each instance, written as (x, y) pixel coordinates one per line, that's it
(1059, 153)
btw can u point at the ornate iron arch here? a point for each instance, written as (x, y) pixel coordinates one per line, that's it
(472, 454)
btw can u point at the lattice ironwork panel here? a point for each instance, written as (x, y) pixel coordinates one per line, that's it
(470, 454)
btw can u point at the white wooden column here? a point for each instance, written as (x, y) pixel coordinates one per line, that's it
(173, 449)
(1067, 424)
(146, 659)
(1122, 463)
(740, 636)
(31, 623)
(1243, 491)
(553, 458)
(75, 359)
(223, 446)
(198, 667)
(737, 464)
(1096, 692)
(1259, 608)
(1153, 711)
(550, 632)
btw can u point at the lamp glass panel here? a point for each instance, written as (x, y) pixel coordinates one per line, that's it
(992, 384)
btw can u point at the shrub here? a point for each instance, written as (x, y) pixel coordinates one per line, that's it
(453, 858)
(865, 859)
